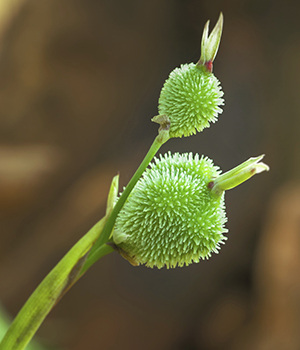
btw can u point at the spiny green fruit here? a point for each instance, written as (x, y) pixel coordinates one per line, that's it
(175, 215)
(171, 217)
(191, 97)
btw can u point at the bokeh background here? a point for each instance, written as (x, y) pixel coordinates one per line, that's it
(79, 82)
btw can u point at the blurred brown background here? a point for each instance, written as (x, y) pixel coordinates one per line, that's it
(79, 82)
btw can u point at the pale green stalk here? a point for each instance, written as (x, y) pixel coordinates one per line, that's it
(50, 290)
(4, 325)
(95, 253)
(75, 263)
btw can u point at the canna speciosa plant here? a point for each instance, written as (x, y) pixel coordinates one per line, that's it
(175, 215)
(170, 214)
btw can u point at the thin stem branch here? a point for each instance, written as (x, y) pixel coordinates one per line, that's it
(95, 253)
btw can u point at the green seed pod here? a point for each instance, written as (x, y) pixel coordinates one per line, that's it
(171, 217)
(175, 215)
(191, 97)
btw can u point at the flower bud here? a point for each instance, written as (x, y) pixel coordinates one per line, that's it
(239, 174)
(210, 44)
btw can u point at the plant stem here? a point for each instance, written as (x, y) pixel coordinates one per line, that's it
(90, 248)
(95, 252)
(50, 290)
(4, 325)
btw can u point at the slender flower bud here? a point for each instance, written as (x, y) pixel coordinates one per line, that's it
(191, 97)
(175, 216)
(210, 44)
(238, 175)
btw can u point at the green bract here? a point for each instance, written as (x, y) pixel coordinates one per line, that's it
(171, 217)
(191, 98)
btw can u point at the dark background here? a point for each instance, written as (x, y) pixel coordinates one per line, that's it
(79, 82)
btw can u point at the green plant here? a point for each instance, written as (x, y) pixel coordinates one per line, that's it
(170, 215)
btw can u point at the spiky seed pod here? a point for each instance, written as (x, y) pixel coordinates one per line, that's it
(171, 217)
(191, 98)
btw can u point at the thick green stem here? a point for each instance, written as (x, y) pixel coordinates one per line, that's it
(50, 290)
(90, 248)
(95, 252)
